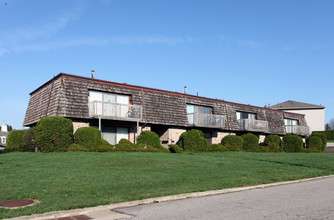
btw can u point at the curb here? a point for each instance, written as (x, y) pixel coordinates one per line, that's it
(83, 211)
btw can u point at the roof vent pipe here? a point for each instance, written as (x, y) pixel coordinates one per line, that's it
(185, 89)
(93, 71)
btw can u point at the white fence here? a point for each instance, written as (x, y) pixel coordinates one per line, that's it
(253, 125)
(109, 110)
(206, 120)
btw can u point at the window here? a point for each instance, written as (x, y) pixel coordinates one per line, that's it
(192, 109)
(246, 115)
(109, 104)
(200, 109)
(113, 135)
(290, 125)
(3, 140)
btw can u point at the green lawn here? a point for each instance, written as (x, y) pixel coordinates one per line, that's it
(330, 141)
(74, 180)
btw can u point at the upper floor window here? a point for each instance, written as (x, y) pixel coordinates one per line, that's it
(109, 104)
(3, 140)
(290, 125)
(108, 97)
(246, 115)
(199, 109)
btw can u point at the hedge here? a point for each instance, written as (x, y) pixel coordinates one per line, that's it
(174, 148)
(15, 140)
(272, 143)
(329, 134)
(217, 148)
(315, 141)
(292, 143)
(88, 137)
(323, 138)
(233, 140)
(251, 142)
(149, 138)
(193, 141)
(54, 134)
(29, 141)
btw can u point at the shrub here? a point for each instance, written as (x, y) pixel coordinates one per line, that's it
(88, 137)
(292, 143)
(311, 150)
(164, 150)
(251, 142)
(217, 148)
(15, 140)
(233, 140)
(8, 150)
(264, 149)
(193, 141)
(272, 139)
(76, 147)
(315, 141)
(103, 148)
(329, 134)
(29, 141)
(233, 148)
(126, 143)
(149, 138)
(323, 138)
(54, 134)
(145, 148)
(174, 148)
(273, 143)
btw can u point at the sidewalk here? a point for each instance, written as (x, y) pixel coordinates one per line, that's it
(329, 148)
(106, 212)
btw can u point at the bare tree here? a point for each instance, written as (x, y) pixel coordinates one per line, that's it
(327, 128)
(331, 124)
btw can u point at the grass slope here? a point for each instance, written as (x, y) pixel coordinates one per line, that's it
(74, 180)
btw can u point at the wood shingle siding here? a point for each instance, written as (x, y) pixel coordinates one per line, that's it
(68, 96)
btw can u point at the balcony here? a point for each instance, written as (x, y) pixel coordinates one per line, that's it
(253, 125)
(107, 110)
(297, 130)
(206, 120)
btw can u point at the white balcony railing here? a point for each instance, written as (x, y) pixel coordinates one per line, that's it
(206, 120)
(297, 130)
(109, 110)
(253, 125)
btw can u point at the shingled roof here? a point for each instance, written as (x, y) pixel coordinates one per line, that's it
(67, 96)
(289, 105)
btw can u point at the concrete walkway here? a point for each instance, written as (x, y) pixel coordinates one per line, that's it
(120, 211)
(329, 148)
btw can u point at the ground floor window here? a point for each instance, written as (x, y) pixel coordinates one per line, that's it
(3, 140)
(114, 134)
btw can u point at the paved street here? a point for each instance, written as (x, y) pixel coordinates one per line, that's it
(306, 200)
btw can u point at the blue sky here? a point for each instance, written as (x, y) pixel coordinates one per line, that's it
(256, 52)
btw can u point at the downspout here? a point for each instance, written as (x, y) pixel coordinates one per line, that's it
(47, 107)
(144, 110)
(228, 121)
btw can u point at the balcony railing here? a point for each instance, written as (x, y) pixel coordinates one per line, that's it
(297, 130)
(206, 120)
(114, 111)
(253, 125)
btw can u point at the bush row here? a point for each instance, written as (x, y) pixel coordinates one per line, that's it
(55, 134)
(329, 134)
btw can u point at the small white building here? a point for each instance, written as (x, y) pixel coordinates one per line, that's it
(3, 136)
(314, 114)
